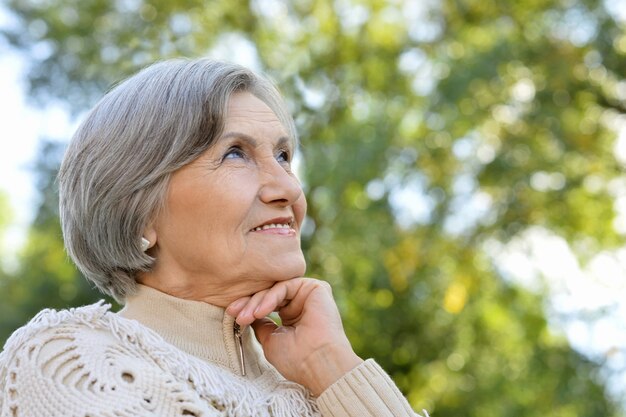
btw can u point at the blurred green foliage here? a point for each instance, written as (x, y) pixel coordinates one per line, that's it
(429, 128)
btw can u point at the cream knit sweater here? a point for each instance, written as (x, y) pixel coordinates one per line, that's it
(164, 356)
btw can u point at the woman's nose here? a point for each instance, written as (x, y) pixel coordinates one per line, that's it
(278, 186)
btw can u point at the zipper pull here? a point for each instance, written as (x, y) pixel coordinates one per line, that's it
(237, 330)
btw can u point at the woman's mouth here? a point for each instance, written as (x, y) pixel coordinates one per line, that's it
(272, 226)
(278, 226)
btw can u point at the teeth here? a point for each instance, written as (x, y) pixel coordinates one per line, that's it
(271, 226)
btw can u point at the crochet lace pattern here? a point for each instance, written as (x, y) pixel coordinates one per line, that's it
(89, 362)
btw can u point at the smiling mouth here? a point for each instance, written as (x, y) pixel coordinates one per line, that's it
(272, 226)
(277, 223)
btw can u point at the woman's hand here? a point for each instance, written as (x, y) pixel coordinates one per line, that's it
(310, 347)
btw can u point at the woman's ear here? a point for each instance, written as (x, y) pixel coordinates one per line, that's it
(149, 238)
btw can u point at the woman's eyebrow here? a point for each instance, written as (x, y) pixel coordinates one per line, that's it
(242, 136)
(282, 141)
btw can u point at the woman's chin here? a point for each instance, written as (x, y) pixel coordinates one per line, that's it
(293, 268)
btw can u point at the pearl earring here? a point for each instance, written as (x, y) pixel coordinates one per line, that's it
(145, 244)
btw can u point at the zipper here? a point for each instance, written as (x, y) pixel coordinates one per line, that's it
(238, 336)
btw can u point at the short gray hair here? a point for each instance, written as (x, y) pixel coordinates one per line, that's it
(115, 173)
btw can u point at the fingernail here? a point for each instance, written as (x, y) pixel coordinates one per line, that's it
(241, 320)
(231, 311)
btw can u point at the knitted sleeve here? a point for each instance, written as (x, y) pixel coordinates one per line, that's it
(74, 368)
(366, 391)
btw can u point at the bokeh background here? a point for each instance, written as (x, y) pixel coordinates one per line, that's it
(464, 162)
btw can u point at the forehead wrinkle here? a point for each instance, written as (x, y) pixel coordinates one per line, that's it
(258, 114)
(261, 108)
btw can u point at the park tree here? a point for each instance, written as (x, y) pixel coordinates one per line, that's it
(431, 132)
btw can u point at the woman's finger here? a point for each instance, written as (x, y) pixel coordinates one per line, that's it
(246, 315)
(236, 306)
(263, 328)
(288, 297)
(311, 293)
(275, 298)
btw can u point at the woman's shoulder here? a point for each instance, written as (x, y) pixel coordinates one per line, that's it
(60, 344)
(87, 361)
(57, 327)
(60, 330)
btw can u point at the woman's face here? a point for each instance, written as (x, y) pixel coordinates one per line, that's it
(232, 219)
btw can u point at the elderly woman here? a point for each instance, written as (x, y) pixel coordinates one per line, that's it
(178, 198)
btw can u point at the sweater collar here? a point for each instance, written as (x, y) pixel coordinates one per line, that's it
(195, 327)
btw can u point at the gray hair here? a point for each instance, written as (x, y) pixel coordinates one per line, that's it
(116, 170)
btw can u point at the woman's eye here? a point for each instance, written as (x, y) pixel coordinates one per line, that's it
(234, 153)
(283, 156)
